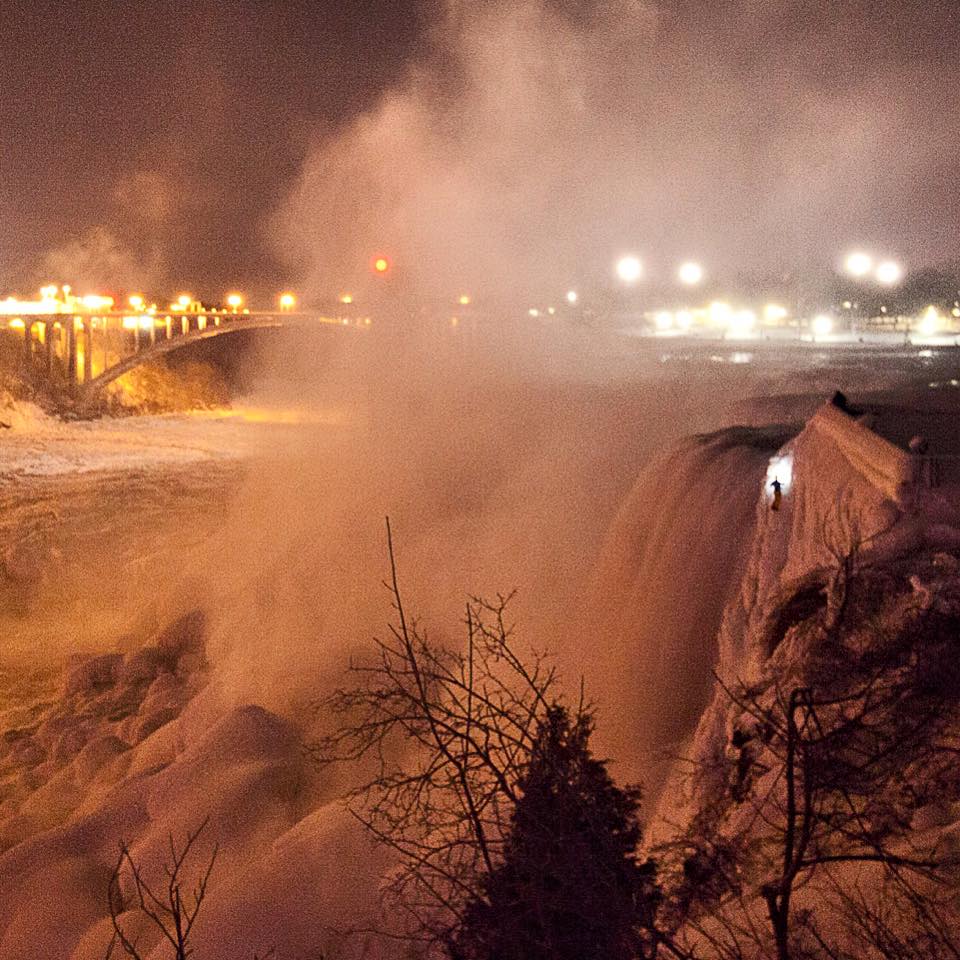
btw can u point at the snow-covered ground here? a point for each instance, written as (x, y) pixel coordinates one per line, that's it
(36, 445)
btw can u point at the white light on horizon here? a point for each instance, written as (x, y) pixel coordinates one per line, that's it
(741, 323)
(822, 325)
(931, 323)
(719, 313)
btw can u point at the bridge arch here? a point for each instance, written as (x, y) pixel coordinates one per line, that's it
(156, 348)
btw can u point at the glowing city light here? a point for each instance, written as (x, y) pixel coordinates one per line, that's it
(464, 300)
(690, 274)
(48, 303)
(137, 302)
(774, 313)
(94, 301)
(234, 301)
(572, 296)
(719, 313)
(663, 320)
(931, 323)
(741, 323)
(858, 264)
(381, 265)
(287, 301)
(346, 299)
(889, 273)
(822, 325)
(629, 269)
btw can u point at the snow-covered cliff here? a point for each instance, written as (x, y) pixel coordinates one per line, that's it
(835, 716)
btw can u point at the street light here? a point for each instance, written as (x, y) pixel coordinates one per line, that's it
(629, 269)
(822, 325)
(774, 313)
(690, 274)
(287, 301)
(234, 302)
(572, 297)
(931, 322)
(889, 273)
(858, 264)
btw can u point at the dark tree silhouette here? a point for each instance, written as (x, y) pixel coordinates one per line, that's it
(569, 884)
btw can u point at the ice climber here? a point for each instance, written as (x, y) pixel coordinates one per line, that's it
(777, 495)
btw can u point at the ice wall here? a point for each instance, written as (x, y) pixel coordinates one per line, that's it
(672, 556)
(845, 490)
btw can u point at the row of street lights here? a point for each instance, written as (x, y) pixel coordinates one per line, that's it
(630, 270)
(858, 264)
(186, 303)
(863, 266)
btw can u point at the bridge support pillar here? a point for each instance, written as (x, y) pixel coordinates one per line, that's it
(71, 324)
(88, 350)
(28, 342)
(49, 335)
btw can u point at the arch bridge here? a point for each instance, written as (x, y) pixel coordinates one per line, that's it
(91, 351)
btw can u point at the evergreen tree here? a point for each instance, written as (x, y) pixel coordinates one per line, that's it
(569, 886)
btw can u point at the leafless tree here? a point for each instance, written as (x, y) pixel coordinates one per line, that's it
(447, 733)
(170, 909)
(830, 771)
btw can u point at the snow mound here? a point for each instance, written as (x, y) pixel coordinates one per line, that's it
(139, 748)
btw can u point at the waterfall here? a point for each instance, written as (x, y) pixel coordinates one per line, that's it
(671, 558)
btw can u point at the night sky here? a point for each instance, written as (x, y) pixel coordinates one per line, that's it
(209, 144)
